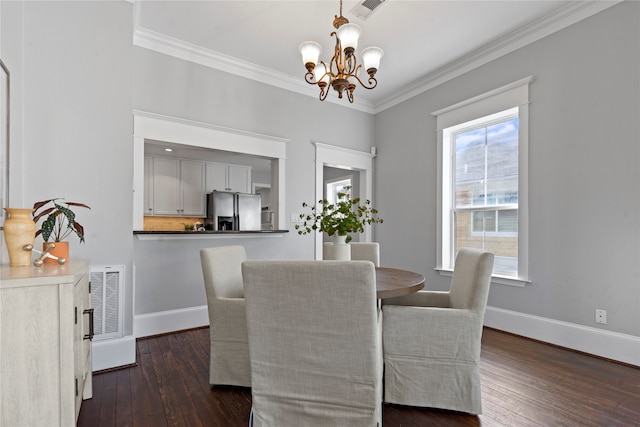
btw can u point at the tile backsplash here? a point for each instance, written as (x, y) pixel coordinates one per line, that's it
(169, 223)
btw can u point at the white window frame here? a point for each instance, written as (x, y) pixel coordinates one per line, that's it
(332, 184)
(510, 96)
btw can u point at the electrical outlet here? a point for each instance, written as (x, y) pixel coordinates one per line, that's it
(601, 316)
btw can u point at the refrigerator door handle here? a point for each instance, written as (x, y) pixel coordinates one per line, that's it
(236, 212)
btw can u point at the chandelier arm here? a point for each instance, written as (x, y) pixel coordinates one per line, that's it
(323, 93)
(309, 78)
(350, 90)
(372, 81)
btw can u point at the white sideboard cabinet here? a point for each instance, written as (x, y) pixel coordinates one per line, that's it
(46, 324)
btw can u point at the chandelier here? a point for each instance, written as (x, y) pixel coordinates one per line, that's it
(343, 70)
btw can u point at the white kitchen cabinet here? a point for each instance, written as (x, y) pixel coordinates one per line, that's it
(45, 349)
(227, 177)
(148, 185)
(177, 187)
(192, 188)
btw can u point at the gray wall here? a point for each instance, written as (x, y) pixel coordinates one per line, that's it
(168, 273)
(71, 119)
(76, 79)
(583, 165)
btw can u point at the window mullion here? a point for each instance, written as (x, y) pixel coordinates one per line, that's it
(486, 190)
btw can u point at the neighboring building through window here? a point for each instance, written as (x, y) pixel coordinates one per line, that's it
(482, 145)
(484, 187)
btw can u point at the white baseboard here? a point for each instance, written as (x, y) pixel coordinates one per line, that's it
(162, 322)
(611, 345)
(111, 353)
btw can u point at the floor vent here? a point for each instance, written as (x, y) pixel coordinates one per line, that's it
(107, 287)
(364, 9)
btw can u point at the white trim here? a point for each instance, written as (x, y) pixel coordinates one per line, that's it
(498, 280)
(111, 353)
(562, 18)
(566, 16)
(161, 43)
(204, 135)
(345, 158)
(503, 98)
(162, 322)
(341, 157)
(611, 345)
(484, 107)
(138, 184)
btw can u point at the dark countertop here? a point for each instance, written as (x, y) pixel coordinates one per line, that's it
(211, 232)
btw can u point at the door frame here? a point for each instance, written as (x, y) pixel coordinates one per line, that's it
(344, 158)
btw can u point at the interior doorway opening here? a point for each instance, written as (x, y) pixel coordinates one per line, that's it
(335, 164)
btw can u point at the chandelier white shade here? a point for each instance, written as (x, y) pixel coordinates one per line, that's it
(343, 71)
(348, 34)
(371, 57)
(310, 52)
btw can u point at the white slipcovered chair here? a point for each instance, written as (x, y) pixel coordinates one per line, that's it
(369, 251)
(432, 340)
(229, 357)
(315, 343)
(360, 251)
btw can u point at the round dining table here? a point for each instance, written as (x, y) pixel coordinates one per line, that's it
(394, 282)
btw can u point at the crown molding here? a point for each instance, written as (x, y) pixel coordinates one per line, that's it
(565, 16)
(161, 43)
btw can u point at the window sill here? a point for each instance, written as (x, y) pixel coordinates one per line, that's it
(500, 280)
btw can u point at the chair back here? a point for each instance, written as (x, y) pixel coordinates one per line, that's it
(471, 279)
(368, 251)
(229, 349)
(314, 342)
(221, 267)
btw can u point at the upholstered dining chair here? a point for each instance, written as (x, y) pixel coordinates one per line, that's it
(315, 343)
(360, 251)
(432, 340)
(229, 357)
(369, 251)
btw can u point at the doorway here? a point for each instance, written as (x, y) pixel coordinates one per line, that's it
(344, 162)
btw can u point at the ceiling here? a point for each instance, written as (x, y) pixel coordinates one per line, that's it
(425, 42)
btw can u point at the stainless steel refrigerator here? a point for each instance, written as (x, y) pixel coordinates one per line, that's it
(228, 211)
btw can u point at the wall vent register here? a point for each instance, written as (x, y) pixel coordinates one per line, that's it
(107, 285)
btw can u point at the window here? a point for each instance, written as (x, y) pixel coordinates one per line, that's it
(343, 185)
(482, 145)
(484, 187)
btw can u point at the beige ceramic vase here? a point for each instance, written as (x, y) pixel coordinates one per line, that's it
(340, 250)
(19, 230)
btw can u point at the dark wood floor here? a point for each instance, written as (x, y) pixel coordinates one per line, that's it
(524, 383)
